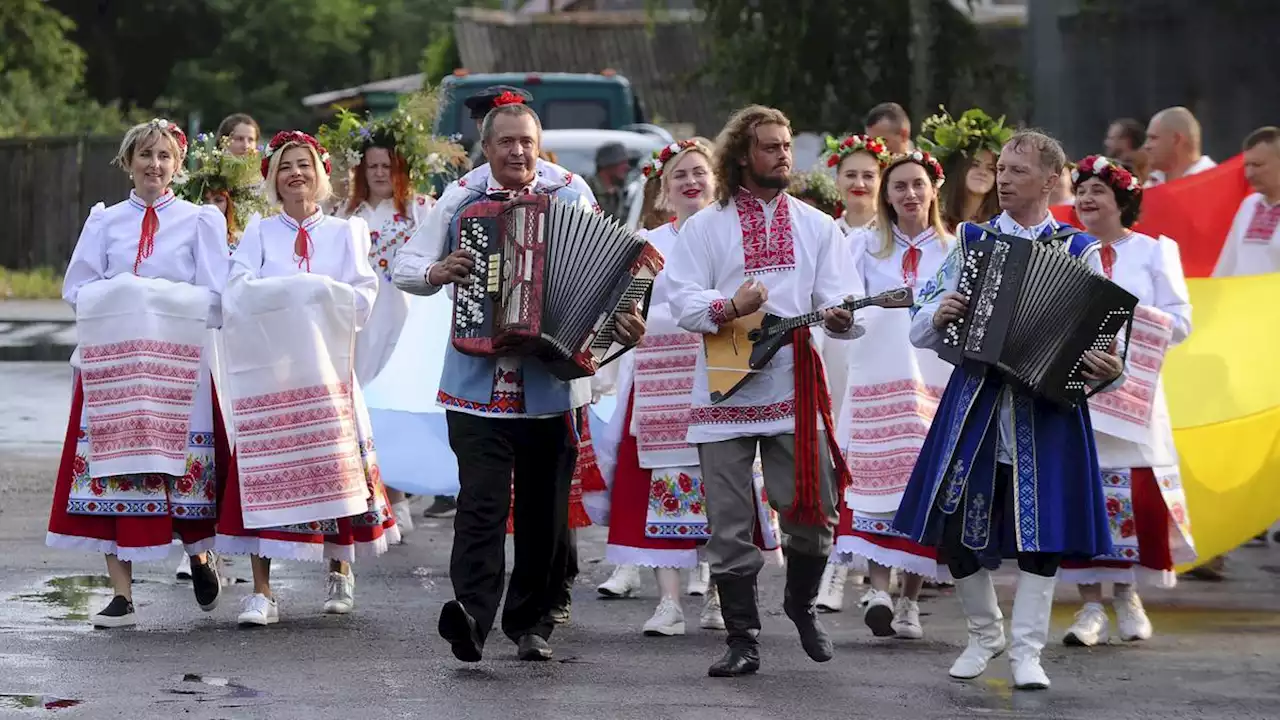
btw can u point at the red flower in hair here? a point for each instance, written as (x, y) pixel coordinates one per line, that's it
(508, 98)
(286, 137)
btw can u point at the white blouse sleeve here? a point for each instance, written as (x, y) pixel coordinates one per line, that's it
(211, 258)
(89, 258)
(837, 277)
(1171, 294)
(246, 261)
(690, 272)
(358, 273)
(428, 245)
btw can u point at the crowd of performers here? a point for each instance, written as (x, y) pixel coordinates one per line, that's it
(225, 336)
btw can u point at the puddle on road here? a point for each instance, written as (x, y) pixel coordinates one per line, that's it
(35, 702)
(71, 595)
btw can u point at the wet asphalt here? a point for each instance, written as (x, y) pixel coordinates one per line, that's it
(1215, 654)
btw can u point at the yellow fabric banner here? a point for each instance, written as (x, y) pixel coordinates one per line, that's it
(1223, 387)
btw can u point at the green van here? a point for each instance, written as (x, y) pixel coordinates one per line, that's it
(601, 101)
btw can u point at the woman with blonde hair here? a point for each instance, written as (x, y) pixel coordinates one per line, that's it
(304, 484)
(858, 161)
(138, 462)
(892, 393)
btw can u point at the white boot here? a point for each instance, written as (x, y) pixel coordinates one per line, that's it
(623, 583)
(699, 579)
(831, 592)
(986, 625)
(1030, 629)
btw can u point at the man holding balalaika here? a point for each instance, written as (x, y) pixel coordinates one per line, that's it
(1009, 467)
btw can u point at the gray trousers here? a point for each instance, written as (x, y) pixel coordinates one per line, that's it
(731, 507)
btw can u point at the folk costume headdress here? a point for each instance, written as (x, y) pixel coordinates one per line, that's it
(407, 132)
(282, 139)
(928, 162)
(837, 150)
(1123, 183)
(218, 171)
(652, 170)
(942, 136)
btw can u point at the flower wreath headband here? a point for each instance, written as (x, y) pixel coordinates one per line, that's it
(928, 162)
(1108, 171)
(837, 151)
(286, 137)
(975, 130)
(652, 170)
(171, 128)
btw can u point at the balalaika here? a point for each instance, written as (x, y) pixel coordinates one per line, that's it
(1034, 310)
(549, 277)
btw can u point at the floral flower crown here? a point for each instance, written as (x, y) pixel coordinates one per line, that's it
(1108, 171)
(407, 131)
(287, 137)
(818, 188)
(974, 131)
(171, 128)
(928, 162)
(508, 98)
(837, 151)
(652, 170)
(219, 171)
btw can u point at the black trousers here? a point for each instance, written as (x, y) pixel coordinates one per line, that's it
(539, 454)
(963, 562)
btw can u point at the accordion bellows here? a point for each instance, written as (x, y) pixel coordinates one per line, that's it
(549, 278)
(1034, 310)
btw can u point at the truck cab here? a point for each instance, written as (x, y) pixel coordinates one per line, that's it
(603, 101)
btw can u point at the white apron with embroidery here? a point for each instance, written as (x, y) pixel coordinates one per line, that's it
(289, 344)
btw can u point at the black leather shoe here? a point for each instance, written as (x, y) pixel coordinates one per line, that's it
(804, 578)
(736, 661)
(460, 629)
(533, 647)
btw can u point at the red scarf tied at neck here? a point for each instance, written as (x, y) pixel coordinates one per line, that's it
(302, 247)
(147, 239)
(1108, 256)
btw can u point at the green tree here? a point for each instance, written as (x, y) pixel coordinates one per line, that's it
(41, 71)
(825, 62)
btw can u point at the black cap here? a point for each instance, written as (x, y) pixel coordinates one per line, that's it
(482, 102)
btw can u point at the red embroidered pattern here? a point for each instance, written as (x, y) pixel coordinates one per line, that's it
(296, 396)
(716, 312)
(765, 249)
(149, 393)
(140, 347)
(666, 386)
(742, 414)
(502, 403)
(302, 418)
(668, 340)
(667, 363)
(139, 369)
(1263, 224)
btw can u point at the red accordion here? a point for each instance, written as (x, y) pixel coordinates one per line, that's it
(549, 278)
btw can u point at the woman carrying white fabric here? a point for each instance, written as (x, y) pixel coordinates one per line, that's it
(892, 393)
(304, 454)
(138, 462)
(1146, 507)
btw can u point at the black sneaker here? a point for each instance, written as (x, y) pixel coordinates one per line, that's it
(442, 507)
(117, 614)
(206, 581)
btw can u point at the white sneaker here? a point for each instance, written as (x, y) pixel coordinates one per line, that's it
(879, 613)
(668, 619)
(623, 583)
(258, 609)
(342, 590)
(699, 579)
(712, 618)
(1090, 627)
(184, 567)
(831, 591)
(906, 620)
(1131, 617)
(404, 518)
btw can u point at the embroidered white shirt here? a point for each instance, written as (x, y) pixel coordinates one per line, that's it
(1253, 244)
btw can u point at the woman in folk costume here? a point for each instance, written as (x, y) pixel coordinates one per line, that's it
(892, 393)
(968, 149)
(229, 181)
(138, 463)
(392, 162)
(1146, 507)
(859, 161)
(303, 484)
(657, 514)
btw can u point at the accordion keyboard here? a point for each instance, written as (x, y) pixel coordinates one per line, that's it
(471, 302)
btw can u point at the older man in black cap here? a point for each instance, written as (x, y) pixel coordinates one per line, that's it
(610, 181)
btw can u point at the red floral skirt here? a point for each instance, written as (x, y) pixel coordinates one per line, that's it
(1147, 520)
(872, 537)
(155, 517)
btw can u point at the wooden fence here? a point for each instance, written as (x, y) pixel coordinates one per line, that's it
(47, 186)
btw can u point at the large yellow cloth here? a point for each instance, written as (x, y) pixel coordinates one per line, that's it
(1223, 387)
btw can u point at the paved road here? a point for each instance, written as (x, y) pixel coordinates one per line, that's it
(1215, 656)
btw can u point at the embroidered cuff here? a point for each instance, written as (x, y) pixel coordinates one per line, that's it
(716, 311)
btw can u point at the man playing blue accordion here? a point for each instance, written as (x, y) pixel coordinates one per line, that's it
(1005, 473)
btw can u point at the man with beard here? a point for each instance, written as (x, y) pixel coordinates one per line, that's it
(757, 248)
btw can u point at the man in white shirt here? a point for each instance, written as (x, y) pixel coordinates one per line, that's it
(1173, 146)
(758, 248)
(1253, 244)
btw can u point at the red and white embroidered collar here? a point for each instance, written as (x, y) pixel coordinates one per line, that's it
(315, 219)
(162, 202)
(766, 247)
